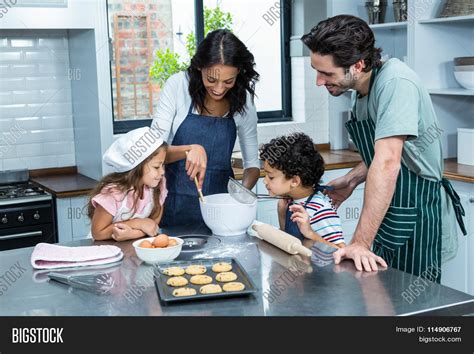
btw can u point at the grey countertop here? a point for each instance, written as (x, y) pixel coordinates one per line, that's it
(287, 285)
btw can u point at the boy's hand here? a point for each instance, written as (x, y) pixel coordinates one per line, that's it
(122, 232)
(148, 226)
(301, 217)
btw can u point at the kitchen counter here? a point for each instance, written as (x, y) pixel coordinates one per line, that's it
(287, 285)
(339, 159)
(67, 182)
(65, 185)
(458, 172)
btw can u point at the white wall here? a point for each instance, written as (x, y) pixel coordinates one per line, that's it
(36, 125)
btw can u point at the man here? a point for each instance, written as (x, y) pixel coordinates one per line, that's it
(405, 194)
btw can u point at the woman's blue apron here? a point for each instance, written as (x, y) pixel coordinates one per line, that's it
(217, 135)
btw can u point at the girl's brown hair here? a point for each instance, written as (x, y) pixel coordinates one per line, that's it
(126, 182)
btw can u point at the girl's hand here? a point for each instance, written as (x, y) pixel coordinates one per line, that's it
(196, 163)
(301, 217)
(148, 226)
(122, 232)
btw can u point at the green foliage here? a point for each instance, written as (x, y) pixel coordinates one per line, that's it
(213, 19)
(168, 63)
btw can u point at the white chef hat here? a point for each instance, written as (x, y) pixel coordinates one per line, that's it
(132, 148)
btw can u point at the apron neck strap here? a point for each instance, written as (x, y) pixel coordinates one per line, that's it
(374, 73)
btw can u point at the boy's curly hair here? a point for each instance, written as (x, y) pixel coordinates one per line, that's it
(295, 155)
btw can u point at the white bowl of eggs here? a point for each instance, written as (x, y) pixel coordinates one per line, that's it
(158, 249)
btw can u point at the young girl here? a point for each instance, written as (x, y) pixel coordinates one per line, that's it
(293, 170)
(128, 203)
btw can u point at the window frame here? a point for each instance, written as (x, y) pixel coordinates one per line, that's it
(283, 115)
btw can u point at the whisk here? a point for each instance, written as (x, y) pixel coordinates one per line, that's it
(100, 283)
(244, 195)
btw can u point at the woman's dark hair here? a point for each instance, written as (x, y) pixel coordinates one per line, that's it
(295, 155)
(223, 47)
(347, 38)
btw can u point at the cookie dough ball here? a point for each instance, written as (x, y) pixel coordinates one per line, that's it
(226, 276)
(221, 267)
(196, 269)
(184, 292)
(233, 286)
(210, 289)
(173, 271)
(177, 281)
(200, 279)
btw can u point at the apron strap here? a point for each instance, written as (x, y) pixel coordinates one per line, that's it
(322, 188)
(458, 208)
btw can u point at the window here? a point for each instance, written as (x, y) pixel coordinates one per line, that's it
(157, 37)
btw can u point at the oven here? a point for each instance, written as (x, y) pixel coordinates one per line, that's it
(27, 213)
(25, 223)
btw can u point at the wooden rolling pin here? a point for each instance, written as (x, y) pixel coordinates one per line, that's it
(281, 239)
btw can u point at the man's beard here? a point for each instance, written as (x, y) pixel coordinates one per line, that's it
(342, 87)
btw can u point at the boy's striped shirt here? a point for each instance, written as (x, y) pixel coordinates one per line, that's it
(323, 218)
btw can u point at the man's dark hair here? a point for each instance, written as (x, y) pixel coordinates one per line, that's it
(295, 155)
(347, 38)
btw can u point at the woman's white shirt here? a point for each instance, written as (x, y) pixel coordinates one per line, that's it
(173, 107)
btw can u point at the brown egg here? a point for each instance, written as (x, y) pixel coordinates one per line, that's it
(172, 242)
(161, 241)
(146, 244)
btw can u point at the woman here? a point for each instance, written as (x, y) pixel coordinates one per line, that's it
(199, 114)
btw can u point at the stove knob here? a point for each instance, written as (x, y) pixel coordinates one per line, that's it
(21, 218)
(4, 219)
(36, 216)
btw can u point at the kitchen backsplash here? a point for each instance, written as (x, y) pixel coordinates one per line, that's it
(36, 124)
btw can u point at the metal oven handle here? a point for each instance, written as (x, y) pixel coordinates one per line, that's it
(21, 235)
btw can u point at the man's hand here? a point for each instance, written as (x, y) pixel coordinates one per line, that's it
(363, 258)
(342, 190)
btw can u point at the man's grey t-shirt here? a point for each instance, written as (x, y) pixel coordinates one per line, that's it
(400, 105)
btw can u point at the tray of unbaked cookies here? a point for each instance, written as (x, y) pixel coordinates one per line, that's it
(198, 279)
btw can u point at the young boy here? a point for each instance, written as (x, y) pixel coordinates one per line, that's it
(293, 170)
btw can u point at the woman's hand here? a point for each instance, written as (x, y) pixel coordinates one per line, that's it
(301, 217)
(282, 206)
(342, 190)
(196, 163)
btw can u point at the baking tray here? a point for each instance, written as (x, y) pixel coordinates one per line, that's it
(165, 292)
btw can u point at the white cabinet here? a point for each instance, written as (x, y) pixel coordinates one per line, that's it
(57, 14)
(458, 273)
(73, 222)
(350, 210)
